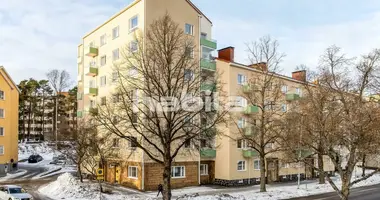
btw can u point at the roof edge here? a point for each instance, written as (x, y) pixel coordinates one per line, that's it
(9, 77)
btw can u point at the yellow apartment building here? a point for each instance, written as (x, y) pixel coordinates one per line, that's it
(223, 165)
(9, 95)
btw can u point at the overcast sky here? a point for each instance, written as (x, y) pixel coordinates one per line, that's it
(38, 35)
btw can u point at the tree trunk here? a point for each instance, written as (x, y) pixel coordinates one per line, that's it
(262, 174)
(363, 166)
(167, 193)
(100, 186)
(80, 171)
(29, 119)
(322, 171)
(345, 192)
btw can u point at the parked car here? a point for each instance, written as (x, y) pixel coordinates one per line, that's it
(14, 192)
(35, 158)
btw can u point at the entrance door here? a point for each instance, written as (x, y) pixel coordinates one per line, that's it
(272, 170)
(117, 174)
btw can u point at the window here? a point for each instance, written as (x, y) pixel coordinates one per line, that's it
(103, 60)
(241, 165)
(103, 101)
(133, 46)
(116, 98)
(189, 29)
(241, 79)
(189, 75)
(299, 91)
(103, 40)
(92, 104)
(132, 172)
(115, 76)
(242, 144)
(241, 123)
(115, 142)
(241, 102)
(1, 150)
(133, 71)
(1, 131)
(115, 54)
(284, 108)
(203, 143)
(188, 143)
(103, 81)
(284, 89)
(178, 172)
(115, 32)
(2, 96)
(256, 164)
(284, 165)
(204, 169)
(133, 23)
(203, 35)
(189, 52)
(134, 118)
(269, 145)
(270, 105)
(2, 113)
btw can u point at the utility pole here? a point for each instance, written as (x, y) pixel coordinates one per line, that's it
(56, 121)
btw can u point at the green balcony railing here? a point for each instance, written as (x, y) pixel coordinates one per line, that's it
(208, 87)
(209, 43)
(92, 71)
(92, 91)
(249, 131)
(208, 64)
(92, 52)
(250, 153)
(208, 153)
(292, 97)
(251, 109)
(304, 153)
(79, 114)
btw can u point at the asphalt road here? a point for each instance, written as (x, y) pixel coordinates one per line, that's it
(361, 193)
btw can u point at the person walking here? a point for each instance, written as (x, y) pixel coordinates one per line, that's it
(160, 189)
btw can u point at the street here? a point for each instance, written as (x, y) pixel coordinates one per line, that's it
(362, 193)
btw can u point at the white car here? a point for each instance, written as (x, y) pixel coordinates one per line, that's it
(14, 192)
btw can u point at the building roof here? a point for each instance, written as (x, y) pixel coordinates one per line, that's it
(8, 79)
(134, 3)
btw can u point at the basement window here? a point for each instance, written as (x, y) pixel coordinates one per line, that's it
(178, 172)
(204, 169)
(132, 172)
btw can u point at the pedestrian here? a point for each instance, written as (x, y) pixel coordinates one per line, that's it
(160, 189)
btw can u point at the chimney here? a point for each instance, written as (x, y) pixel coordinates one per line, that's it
(227, 54)
(299, 75)
(262, 66)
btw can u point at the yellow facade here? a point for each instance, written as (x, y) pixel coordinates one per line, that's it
(9, 123)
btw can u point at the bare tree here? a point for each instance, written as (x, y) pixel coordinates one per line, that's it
(262, 94)
(158, 104)
(338, 119)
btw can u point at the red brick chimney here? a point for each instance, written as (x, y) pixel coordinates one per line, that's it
(227, 54)
(299, 75)
(262, 66)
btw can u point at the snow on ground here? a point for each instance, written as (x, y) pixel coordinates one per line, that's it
(13, 175)
(25, 150)
(70, 188)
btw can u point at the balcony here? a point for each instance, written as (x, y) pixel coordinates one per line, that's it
(251, 109)
(91, 71)
(92, 52)
(208, 153)
(292, 97)
(247, 88)
(208, 87)
(304, 153)
(79, 96)
(79, 59)
(208, 43)
(79, 114)
(208, 64)
(250, 153)
(249, 131)
(92, 91)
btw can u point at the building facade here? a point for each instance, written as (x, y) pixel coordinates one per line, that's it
(9, 95)
(225, 165)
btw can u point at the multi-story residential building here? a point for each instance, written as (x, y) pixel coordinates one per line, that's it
(9, 95)
(228, 164)
(102, 46)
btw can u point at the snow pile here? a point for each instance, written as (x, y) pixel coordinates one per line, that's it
(70, 188)
(25, 150)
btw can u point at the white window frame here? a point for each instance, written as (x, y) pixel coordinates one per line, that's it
(2, 95)
(115, 30)
(103, 39)
(131, 29)
(114, 58)
(241, 123)
(258, 161)
(284, 107)
(2, 147)
(2, 131)
(299, 91)
(243, 166)
(183, 172)
(130, 174)
(103, 78)
(241, 102)
(243, 79)
(117, 143)
(115, 76)
(3, 111)
(191, 29)
(101, 60)
(190, 75)
(205, 169)
(243, 144)
(284, 89)
(131, 45)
